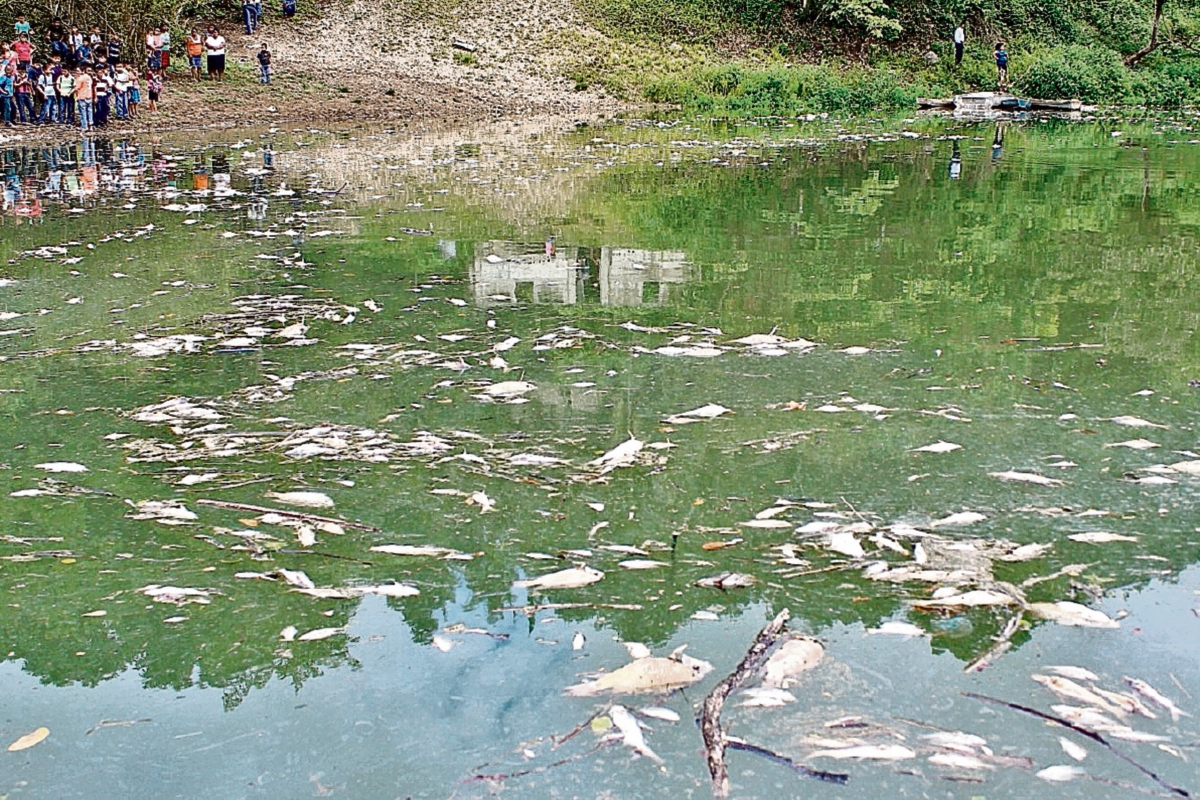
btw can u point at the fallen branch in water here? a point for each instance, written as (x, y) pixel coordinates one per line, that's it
(293, 514)
(1002, 645)
(710, 716)
(808, 772)
(1095, 737)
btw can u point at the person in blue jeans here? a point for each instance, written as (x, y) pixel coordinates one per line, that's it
(7, 104)
(264, 64)
(249, 16)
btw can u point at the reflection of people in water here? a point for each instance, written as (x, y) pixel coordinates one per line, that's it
(955, 162)
(998, 142)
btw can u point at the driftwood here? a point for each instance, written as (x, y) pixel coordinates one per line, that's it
(710, 717)
(1003, 643)
(294, 514)
(1082, 731)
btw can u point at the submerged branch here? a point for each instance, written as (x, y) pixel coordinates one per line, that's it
(1002, 644)
(710, 717)
(1095, 737)
(808, 772)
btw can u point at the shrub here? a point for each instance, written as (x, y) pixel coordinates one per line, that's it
(1091, 74)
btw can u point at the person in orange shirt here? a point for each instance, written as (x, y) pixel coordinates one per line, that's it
(84, 99)
(195, 50)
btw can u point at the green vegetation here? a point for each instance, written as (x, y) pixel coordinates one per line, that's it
(853, 56)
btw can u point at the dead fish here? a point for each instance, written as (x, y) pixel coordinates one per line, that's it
(631, 732)
(1136, 422)
(1071, 614)
(1026, 477)
(727, 580)
(894, 628)
(1088, 718)
(961, 518)
(1070, 748)
(954, 740)
(306, 499)
(971, 599)
(509, 389)
(766, 697)
(938, 447)
(623, 455)
(959, 761)
(1061, 772)
(867, 752)
(793, 657)
(1154, 696)
(654, 674)
(844, 542)
(571, 578)
(1070, 690)
(1075, 673)
(1126, 702)
(658, 712)
(1100, 537)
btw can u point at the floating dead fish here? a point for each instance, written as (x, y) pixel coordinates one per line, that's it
(845, 543)
(938, 447)
(631, 732)
(1158, 698)
(304, 499)
(319, 634)
(658, 712)
(297, 578)
(1100, 537)
(571, 578)
(1135, 444)
(766, 524)
(1126, 702)
(867, 752)
(961, 518)
(1137, 422)
(710, 411)
(1074, 673)
(792, 658)
(1013, 476)
(168, 512)
(1072, 749)
(1070, 690)
(509, 389)
(1060, 773)
(179, 595)
(653, 674)
(954, 740)
(1071, 614)
(642, 563)
(61, 466)
(855, 350)
(481, 499)
(959, 761)
(433, 551)
(766, 697)
(727, 580)
(971, 599)
(623, 455)
(1186, 467)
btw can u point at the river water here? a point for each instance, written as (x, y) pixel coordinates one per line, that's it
(439, 336)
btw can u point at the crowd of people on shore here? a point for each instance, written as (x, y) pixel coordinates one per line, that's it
(65, 76)
(68, 77)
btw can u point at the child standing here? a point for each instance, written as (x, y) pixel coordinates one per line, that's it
(135, 93)
(1001, 66)
(154, 87)
(264, 64)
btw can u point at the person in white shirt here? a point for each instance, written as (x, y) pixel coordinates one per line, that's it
(960, 39)
(214, 44)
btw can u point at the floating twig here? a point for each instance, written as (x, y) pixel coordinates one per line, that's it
(830, 777)
(710, 717)
(294, 514)
(1095, 737)
(1002, 644)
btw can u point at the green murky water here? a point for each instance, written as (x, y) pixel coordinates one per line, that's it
(442, 334)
